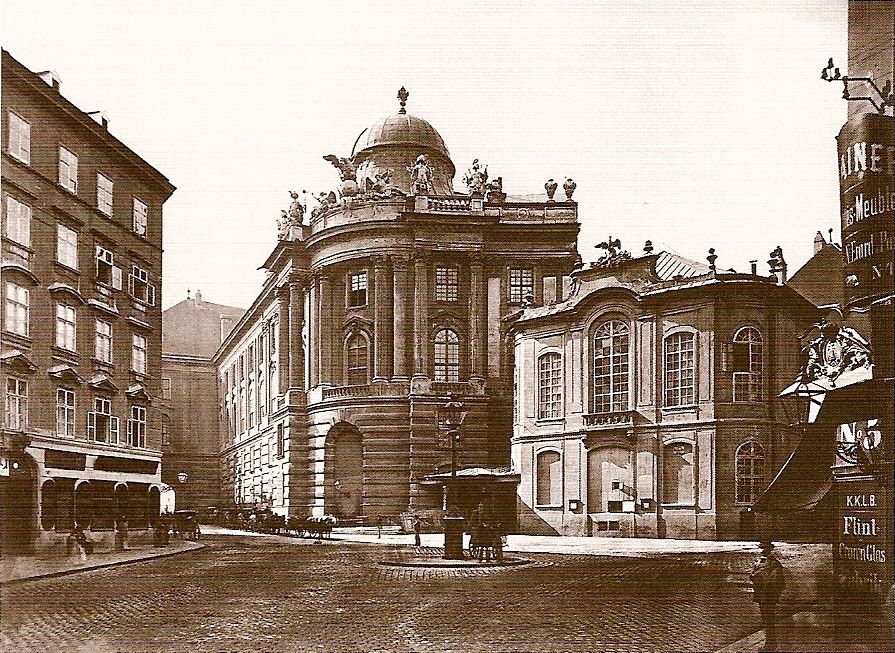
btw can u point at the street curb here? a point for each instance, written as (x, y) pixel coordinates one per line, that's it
(116, 563)
(459, 564)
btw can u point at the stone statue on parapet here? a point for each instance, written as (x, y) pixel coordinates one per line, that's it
(293, 217)
(614, 254)
(494, 191)
(421, 174)
(326, 202)
(381, 186)
(347, 169)
(476, 178)
(296, 208)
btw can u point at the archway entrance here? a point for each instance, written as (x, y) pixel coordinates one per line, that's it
(18, 499)
(608, 479)
(344, 471)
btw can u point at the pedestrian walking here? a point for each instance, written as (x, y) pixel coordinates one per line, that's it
(767, 585)
(416, 533)
(379, 527)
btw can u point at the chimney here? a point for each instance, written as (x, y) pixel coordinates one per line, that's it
(819, 242)
(225, 326)
(754, 265)
(198, 297)
(100, 117)
(777, 265)
(51, 77)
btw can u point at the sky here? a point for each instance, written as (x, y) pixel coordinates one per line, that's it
(693, 124)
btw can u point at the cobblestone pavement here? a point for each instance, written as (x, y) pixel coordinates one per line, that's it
(276, 595)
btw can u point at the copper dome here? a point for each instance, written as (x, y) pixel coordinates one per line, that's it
(401, 129)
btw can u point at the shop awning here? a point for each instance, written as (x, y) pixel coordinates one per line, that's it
(805, 478)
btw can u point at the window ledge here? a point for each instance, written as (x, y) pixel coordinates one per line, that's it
(679, 409)
(549, 420)
(13, 337)
(552, 506)
(679, 506)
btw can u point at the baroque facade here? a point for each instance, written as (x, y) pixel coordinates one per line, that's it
(644, 400)
(389, 297)
(81, 354)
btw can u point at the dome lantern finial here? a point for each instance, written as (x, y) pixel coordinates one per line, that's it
(403, 95)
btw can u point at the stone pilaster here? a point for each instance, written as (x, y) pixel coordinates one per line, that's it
(382, 322)
(324, 329)
(283, 369)
(478, 333)
(421, 317)
(314, 332)
(296, 324)
(400, 276)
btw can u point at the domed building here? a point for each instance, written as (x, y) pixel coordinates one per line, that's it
(383, 300)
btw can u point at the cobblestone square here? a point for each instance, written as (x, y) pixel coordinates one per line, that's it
(264, 594)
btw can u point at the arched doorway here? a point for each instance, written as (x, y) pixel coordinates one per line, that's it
(344, 471)
(18, 505)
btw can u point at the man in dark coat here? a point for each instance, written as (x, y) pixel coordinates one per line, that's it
(767, 585)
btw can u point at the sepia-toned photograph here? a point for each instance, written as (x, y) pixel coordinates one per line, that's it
(447, 327)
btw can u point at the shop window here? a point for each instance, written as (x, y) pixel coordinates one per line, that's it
(549, 478)
(48, 505)
(611, 367)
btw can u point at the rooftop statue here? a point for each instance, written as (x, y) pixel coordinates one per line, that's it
(381, 186)
(551, 187)
(613, 255)
(494, 191)
(296, 209)
(347, 169)
(294, 217)
(326, 202)
(569, 187)
(421, 176)
(476, 178)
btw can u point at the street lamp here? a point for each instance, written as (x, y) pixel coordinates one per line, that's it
(450, 417)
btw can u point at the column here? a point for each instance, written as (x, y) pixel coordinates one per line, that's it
(324, 330)
(296, 324)
(421, 318)
(478, 335)
(399, 310)
(381, 320)
(283, 369)
(313, 332)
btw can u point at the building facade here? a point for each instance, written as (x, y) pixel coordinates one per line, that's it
(643, 403)
(387, 299)
(81, 352)
(192, 330)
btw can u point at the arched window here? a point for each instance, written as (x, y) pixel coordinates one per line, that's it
(447, 356)
(550, 385)
(747, 364)
(357, 351)
(680, 369)
(749, 472)
(677, 485)
(549, 488)
(611, 367)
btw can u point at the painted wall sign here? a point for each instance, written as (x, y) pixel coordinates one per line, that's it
(863, 548)
(866, 146)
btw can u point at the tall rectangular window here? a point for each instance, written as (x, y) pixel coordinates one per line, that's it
(521, 284)
(549, 385)
(446, 284)
(65, 412)
(166, 388)
(18, 221)
(66, 327)
(102, 425)
(136, 427)
(103, 341)
(104, 193)
(17, 301)
(16, 403)
(680, 368)
(140, 217)
(67, 246)
(139, 286)
(68, 169)
(357, 289)
(280, 441)
(19, 138)
(107, 273)
(138, 354)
